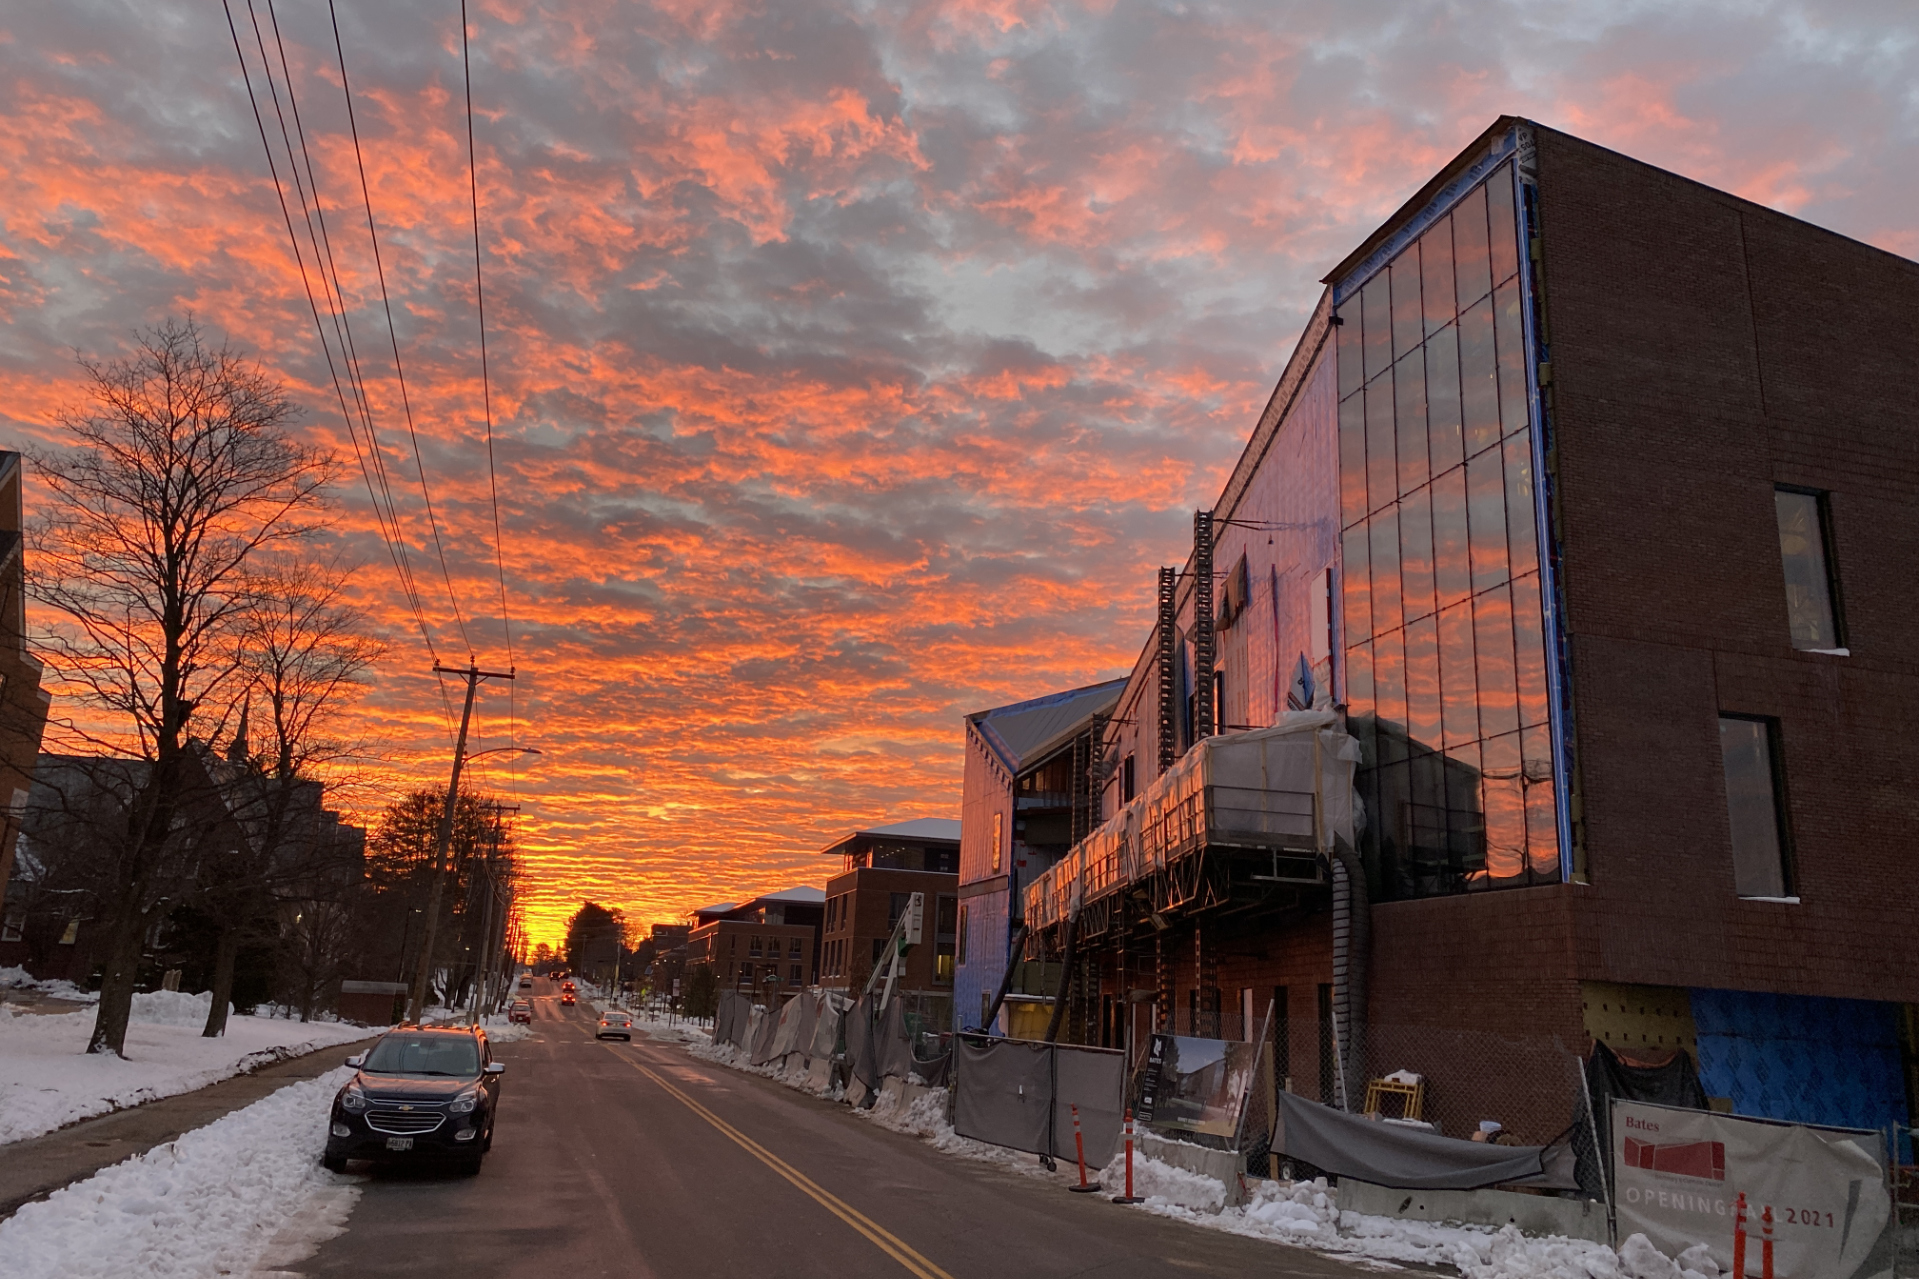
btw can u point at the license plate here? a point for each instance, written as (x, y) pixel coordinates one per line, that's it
(399, 1143)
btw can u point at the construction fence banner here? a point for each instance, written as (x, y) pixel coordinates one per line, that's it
(1020, 1093)
(1193, 1085)
(1678, 1175)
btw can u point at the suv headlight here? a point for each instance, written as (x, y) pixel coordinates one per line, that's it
(353, 1098)
(464, 1103)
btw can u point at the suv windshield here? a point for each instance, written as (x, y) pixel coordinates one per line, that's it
(424, 1055)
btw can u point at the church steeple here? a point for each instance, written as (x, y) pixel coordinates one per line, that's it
(237, 752)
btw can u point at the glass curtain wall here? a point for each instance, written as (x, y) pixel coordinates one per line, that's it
(1446, 678)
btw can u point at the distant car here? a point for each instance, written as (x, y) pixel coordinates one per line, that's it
(569, 988)
(422, 1092)
(526, 981)
(615, 1025)
(520, 1010)
(566, 999)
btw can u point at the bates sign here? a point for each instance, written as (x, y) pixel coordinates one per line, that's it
(1678, 1175)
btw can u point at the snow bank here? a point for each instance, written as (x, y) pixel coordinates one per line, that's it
(49, 1080)
(1163, 1185)
(21, 979)
(245, 1191)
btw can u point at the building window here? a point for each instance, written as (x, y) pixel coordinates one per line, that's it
(1805, 550)
(879, 948)
(793, 948)
(962, 935)
(1128, 780)
(1442, 617)
(999, 823)
(1755, 806)
(943, 963)
(753, 947)
(896, 904)
(793, 975)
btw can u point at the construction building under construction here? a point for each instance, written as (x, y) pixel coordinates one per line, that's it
(1580, 529)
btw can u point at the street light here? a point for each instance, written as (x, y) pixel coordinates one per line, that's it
(505, 750)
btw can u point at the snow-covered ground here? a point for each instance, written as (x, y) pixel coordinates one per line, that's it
(48, 1080)
(244, 1193)
(1301, 1214)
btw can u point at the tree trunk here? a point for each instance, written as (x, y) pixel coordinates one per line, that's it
(226, 953)
(126, 924)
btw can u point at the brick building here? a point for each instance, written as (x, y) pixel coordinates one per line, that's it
(880, 870)
(764, 946)
(1590, 499)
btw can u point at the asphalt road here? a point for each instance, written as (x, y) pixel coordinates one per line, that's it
(610, 1159)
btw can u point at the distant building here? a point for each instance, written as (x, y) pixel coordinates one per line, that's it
(23, 704)
(766, 946)
(880, 869)
(1030, 791)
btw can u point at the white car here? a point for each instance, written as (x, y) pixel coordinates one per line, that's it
(615, 1024)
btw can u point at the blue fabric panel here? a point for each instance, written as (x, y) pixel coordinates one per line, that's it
(985, 965)
(1801, 1058)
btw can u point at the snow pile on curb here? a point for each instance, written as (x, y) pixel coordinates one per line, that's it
(59, 988)
(1306, 1214)
(1163, 1185)
(245, 1191)
(49, 1080)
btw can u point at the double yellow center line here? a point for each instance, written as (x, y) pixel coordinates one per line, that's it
(882, 1238)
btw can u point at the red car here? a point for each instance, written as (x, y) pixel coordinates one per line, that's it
(568, 988)
(520, 1010)
(566, 999)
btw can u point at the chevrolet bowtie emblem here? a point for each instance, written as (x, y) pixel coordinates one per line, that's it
(406, 1108)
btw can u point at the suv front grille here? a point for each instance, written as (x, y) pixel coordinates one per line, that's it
(404, 1123)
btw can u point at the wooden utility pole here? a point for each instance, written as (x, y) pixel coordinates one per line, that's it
(472, 674)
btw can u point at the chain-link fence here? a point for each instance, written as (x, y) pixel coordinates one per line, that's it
(1458, 1082)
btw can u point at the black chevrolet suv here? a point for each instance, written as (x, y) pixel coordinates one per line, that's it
(422, 1092)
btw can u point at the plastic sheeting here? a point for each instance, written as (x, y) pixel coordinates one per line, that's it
(1020, 1093)
(1404, 1158)
(1287, 786)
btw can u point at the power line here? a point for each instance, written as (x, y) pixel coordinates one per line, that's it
(336, 291)
(395, 547)
(346, 90)
(486, 382)
(479, 293)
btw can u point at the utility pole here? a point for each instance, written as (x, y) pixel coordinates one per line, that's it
(437, 882)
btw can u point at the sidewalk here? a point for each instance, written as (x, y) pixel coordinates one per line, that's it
(38, 1166)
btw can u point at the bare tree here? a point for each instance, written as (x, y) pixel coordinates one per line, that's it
(304, 652)
(182, 470)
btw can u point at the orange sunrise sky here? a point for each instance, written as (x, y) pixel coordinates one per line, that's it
(853, 364)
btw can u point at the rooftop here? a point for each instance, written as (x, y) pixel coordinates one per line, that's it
(1026, 733)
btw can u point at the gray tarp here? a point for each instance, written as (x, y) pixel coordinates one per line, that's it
(786, 1035)
(826, 1029)
(1094, 1080)
(1004, 1088)
(723, 1018)
(759, 1035)
(1020, 1094)
(1406, 1158)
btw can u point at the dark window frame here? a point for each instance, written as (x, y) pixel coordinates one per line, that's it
(1835, 594)
(1781, 805)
